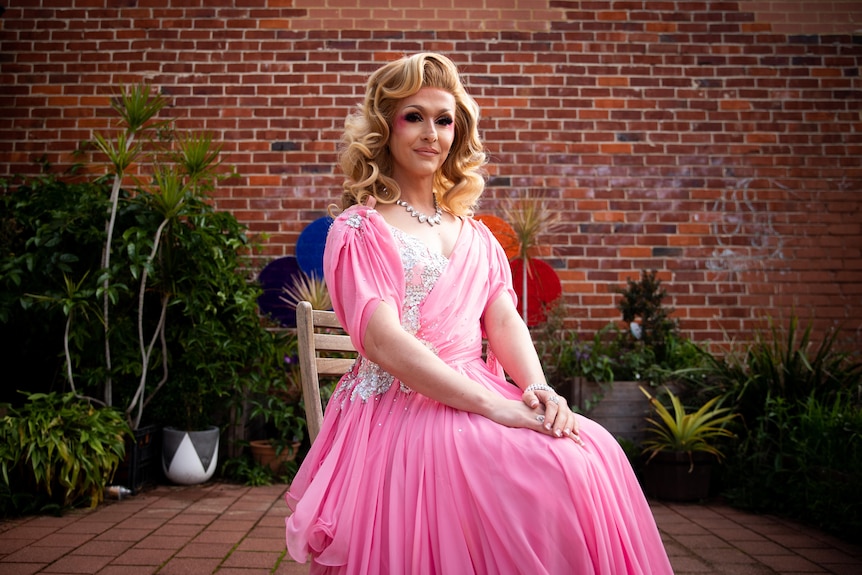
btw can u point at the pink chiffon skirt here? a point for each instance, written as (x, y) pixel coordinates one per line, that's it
(402, 484)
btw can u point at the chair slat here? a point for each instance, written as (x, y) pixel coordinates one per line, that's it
(313, 348)
(333, 365)
(325, 319)
(333, 342)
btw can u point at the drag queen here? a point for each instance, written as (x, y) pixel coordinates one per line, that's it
(430, 461)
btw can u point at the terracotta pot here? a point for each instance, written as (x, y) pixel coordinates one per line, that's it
(670, 476)
(263, 453)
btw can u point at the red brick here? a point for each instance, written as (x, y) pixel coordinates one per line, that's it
(590, 106)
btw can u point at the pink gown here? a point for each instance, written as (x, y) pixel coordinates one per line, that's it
(397, 483)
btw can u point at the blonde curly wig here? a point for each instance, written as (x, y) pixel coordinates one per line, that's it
(365, 158)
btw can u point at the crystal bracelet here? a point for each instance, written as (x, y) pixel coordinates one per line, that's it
(539, 386)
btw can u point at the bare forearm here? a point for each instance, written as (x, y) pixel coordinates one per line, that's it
(512, 344)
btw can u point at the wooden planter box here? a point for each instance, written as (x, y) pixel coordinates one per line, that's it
(622, 410)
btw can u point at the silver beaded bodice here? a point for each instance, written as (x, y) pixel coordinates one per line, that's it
(422, 268)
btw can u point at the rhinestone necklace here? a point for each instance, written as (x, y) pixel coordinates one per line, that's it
(432, 221)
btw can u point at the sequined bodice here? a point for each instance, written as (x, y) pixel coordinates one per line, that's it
(422, 268)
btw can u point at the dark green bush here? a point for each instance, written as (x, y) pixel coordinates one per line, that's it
(170, 320)
(803, 459)
(800, 450)
(58, 451)
(49, 229)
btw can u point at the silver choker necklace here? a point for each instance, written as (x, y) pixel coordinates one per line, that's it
(432, 221)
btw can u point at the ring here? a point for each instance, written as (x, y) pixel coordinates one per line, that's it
(555, 399)
(540, 418)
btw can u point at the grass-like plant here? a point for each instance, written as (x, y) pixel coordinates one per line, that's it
(529, 219)
(308, 288)
(687, 432)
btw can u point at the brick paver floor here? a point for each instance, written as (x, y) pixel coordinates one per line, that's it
(236, 530)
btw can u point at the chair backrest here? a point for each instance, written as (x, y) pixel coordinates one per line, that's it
(318, 333)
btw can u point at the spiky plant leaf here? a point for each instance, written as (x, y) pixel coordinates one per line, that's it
(137, 105)
(308, 288)
(688, 432)
(197, 155)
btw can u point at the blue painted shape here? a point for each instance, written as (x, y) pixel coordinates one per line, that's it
(277, 274)
(310, 245)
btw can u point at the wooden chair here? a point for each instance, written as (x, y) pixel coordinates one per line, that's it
(318, 333)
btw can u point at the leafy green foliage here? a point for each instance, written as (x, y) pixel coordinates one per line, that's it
(803, 459)
(800, 449)
(682, 431)
(565, 355)
(53, 232)
(170, 319)
(60, 450)
(781, 362)
(247, 471)
(642, 306)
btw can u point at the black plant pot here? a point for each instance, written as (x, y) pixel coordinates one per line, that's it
(670, 476)
(141, 465)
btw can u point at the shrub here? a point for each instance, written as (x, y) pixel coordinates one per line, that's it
(170, 320)
(803, 459)
(800, 451)
(57, 451)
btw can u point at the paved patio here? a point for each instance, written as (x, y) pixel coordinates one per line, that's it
(232, 530)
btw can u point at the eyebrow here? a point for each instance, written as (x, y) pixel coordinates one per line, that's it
(424, 110)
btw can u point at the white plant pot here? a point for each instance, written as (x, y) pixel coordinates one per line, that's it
(189, 457)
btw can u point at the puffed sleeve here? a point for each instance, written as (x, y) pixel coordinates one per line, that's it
(362, 268)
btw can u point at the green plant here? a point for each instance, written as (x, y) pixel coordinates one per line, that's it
(136, 108)
(647, 319)
(59, 449)
(52, 238)
(283, 420)
(800, 440)
(803, 459)
(183, 333)
(783, 362)
(275, 401)
(529, 219)
(247, 471)
(174, 200)
(565, 355)
(687, 432)
(308, 288)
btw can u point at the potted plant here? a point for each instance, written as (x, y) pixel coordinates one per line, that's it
(680, 447)
(638, 352)
(144, 279)
(580, 370)
(276, 403)
(276, 408)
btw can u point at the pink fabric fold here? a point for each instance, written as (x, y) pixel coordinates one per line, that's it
(398, 483)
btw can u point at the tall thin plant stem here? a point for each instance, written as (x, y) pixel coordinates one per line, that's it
(529, 219)
(136, 107)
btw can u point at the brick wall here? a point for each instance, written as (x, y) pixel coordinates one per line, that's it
(718, 142)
